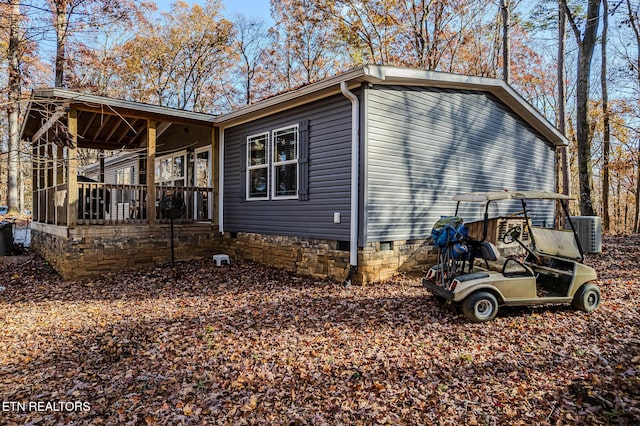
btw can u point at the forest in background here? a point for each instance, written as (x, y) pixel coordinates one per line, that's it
(577, 62)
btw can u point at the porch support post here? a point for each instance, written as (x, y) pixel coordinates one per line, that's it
(42, 184)
(151, 167)
(49, 183)
(59, 166)
(58, 179)
(72, 170)
(215, 171)
(101, 158)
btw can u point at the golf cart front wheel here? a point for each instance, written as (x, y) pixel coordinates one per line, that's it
(480, 307)
(587, 298)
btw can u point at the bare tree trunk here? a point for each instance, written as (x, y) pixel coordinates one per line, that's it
(586, 47)
(606, 137)
(635, 25)
(505, 11)
(637, 206)
(616, 203)
(562, 97)
(13, 108)
(61, 40)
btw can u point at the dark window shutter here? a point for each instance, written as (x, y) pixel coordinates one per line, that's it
(303, 160)
(243, 170)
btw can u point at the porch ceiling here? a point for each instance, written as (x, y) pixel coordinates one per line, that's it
(103, 123)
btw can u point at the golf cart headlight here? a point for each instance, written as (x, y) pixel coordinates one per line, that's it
(454, 284)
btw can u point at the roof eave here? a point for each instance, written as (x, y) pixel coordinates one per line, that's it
(313, 91)
(394, 75)
(381, 74)
(96, 100)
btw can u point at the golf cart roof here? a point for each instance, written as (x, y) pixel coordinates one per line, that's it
(483, 197)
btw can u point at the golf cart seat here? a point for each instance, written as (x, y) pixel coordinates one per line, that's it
(487, 251)
(489, 256)
(493, 261)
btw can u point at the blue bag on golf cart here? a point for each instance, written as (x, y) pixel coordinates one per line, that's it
(450, 232)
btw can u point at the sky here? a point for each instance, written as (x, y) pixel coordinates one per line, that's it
(248, 8)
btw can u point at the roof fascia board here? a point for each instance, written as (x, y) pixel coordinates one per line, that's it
(378, 74)
(314, 91)
(94, 102)
(381, 74)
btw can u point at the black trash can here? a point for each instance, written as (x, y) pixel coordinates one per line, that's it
(6, 238)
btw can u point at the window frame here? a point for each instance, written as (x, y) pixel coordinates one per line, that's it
(266, 165)
(124, 196)
(274, 164)
(172, 156)
(204, 149)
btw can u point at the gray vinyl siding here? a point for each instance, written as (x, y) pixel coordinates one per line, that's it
(329, 146)
(111, 171)
(425, 145)
(111, 168)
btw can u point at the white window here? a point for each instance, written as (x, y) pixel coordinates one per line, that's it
(124, 177)
(285, 163)
(203, 202)
(258, 167)
(171, 170)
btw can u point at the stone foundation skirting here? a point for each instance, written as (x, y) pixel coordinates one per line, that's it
(88, 251)
(323, 259)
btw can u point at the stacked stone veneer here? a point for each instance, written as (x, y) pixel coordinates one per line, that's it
(93, 250)
(321, 258)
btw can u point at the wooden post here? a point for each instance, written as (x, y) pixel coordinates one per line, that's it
(72, 170)
(42, 172)
(35, 179)
(59, 166)
(215, 171)
(151, 167)
(101, 172)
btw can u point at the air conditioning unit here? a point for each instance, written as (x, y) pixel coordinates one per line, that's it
(589, 230)
(496, 229)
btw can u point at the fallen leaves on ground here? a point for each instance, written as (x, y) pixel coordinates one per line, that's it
(248, 344)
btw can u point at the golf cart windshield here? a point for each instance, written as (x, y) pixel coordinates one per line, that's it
(555, 242)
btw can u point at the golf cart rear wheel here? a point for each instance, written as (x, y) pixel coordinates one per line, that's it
(587, 298)
(480, 307)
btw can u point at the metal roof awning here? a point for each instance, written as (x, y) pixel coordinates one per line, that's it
(103, 123)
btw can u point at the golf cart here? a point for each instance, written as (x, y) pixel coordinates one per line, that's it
(472, 271)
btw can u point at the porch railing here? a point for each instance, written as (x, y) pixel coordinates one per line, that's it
(109, 204)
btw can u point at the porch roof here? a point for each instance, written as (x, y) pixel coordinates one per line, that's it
(103, 123)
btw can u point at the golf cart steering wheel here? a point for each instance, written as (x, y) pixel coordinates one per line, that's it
(512, 235)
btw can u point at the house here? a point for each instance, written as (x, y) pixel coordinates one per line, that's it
(341, 178)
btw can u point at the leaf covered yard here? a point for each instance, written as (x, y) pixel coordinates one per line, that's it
(248, 344)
